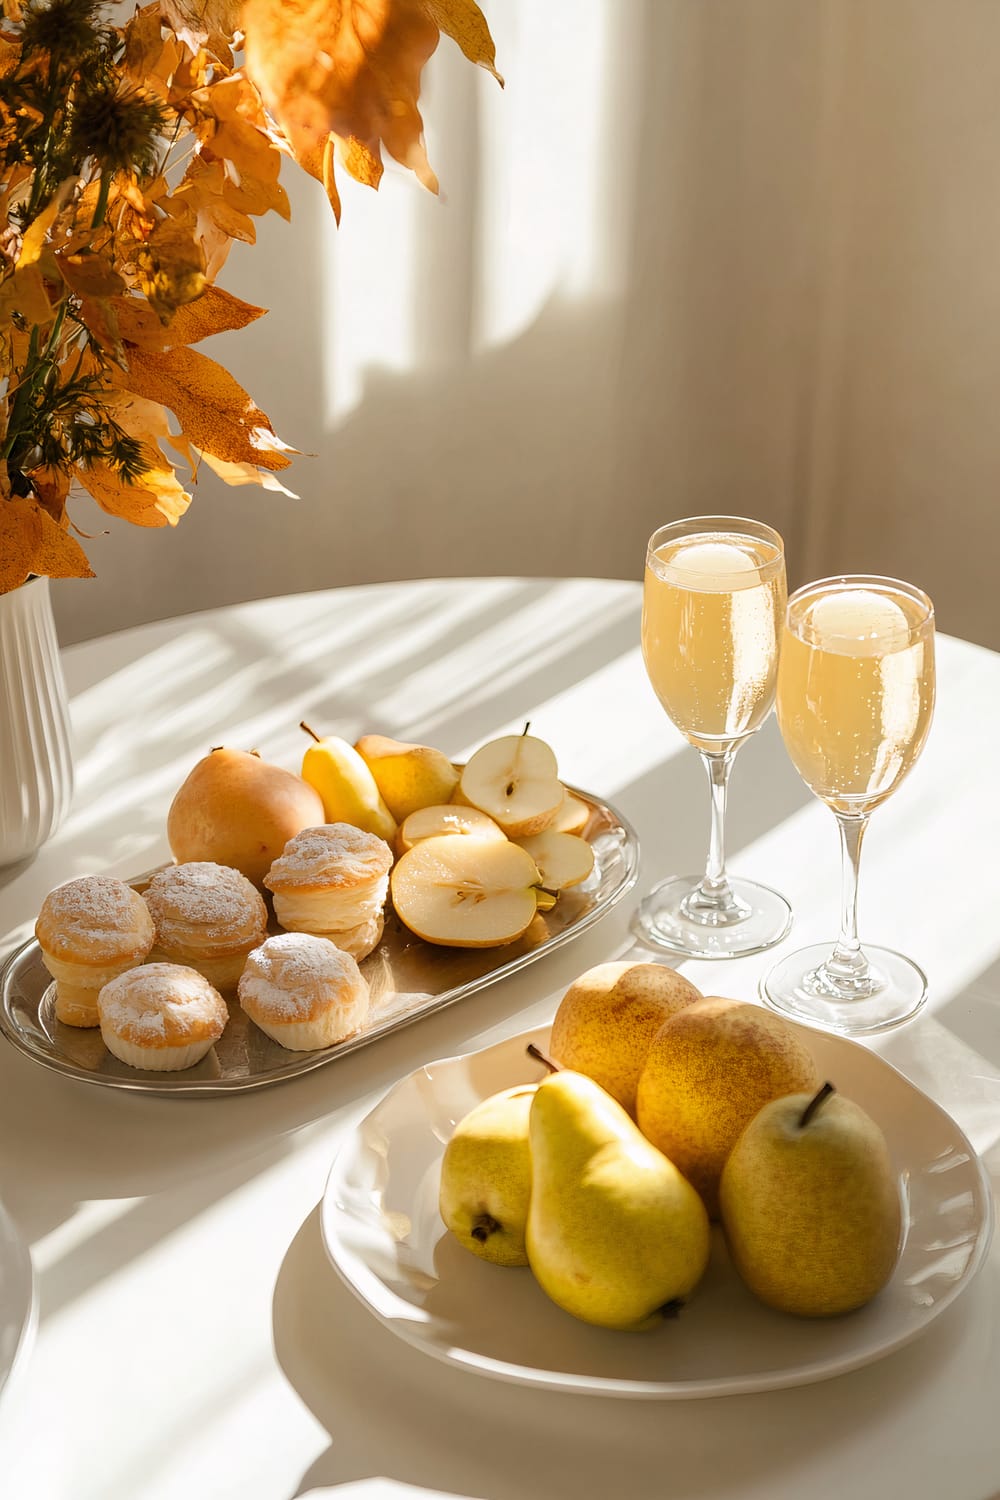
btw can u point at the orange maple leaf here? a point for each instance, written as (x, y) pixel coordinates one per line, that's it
(51, 487)
(157, 498)
(214, 410)
(144, 43)
(215, 311)
(90, 275)
(20, 540)
(31, 542)
(350, 70)
(209, 21)
(60, 555)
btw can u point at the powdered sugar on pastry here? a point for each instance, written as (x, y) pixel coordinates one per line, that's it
(162, 1005)
(292, 975)
(205, 906)
(332, 856)
(94, 919)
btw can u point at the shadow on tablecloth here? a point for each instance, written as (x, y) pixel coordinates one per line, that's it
(391, 1411)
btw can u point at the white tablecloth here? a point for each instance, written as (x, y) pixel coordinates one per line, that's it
(193, 1340)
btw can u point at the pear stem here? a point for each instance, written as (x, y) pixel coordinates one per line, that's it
(483, 1227)
(814, 1104)
(512, 785)
(543, 1057)
(309, 731)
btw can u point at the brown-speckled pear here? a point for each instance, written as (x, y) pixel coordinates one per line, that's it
(811, 1205)
(710, 1068)
(235, 809)
(608, 1017)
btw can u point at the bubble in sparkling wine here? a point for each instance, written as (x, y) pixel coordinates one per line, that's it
(859, 619)
(715, 566)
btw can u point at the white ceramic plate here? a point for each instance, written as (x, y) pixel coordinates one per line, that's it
(383, 1233)
(17, 1303)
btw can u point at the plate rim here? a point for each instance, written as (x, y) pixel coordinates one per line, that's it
(702, 1389)
(176, 1085)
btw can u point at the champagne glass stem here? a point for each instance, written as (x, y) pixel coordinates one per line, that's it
(713, 900)
(847, 969)
(718, 768)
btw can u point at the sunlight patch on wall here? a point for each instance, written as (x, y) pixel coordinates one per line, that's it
(368, 307)
(544, 140)
(537, 216)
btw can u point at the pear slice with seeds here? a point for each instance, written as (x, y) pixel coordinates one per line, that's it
(464, 892)
(515, 781)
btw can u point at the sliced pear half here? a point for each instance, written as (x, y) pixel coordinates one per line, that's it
(515, 781)
(438, 822)
(572, 816)
(562, 858)
(463, 892)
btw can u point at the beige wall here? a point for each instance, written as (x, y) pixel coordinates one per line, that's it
(794, 314)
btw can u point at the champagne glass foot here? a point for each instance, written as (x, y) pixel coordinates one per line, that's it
(673, 917)
(799, 987)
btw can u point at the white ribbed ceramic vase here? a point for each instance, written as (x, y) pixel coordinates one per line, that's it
(36, 761)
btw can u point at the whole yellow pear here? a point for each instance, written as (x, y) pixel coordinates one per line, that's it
(615, 1234)
(408, 777)
(346, 786)
(486, 1177)
(708, 1071)
(811, 1205)
(235, 809)
(607, 1019)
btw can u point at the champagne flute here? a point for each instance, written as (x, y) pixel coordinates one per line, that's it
(855, 698)
(713, 602)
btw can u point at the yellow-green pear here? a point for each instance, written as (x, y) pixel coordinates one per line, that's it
(708, 1071)
(486, 1178)
(811, 1205)
(409, 777)
(608, 1017)
(345, 784)
(615, 1234)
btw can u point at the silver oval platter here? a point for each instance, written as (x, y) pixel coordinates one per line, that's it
(408, 978)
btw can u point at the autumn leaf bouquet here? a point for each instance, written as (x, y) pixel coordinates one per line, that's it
(131, 158)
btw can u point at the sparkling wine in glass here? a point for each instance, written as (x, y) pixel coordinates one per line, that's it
(855, 699)
(713, 603)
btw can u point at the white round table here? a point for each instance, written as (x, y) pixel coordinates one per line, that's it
(193, 1340)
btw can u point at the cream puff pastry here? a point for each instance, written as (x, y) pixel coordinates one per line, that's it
(332, 881)
(207, 917)
(304, 992)
(163, 1017)
(90, 930)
